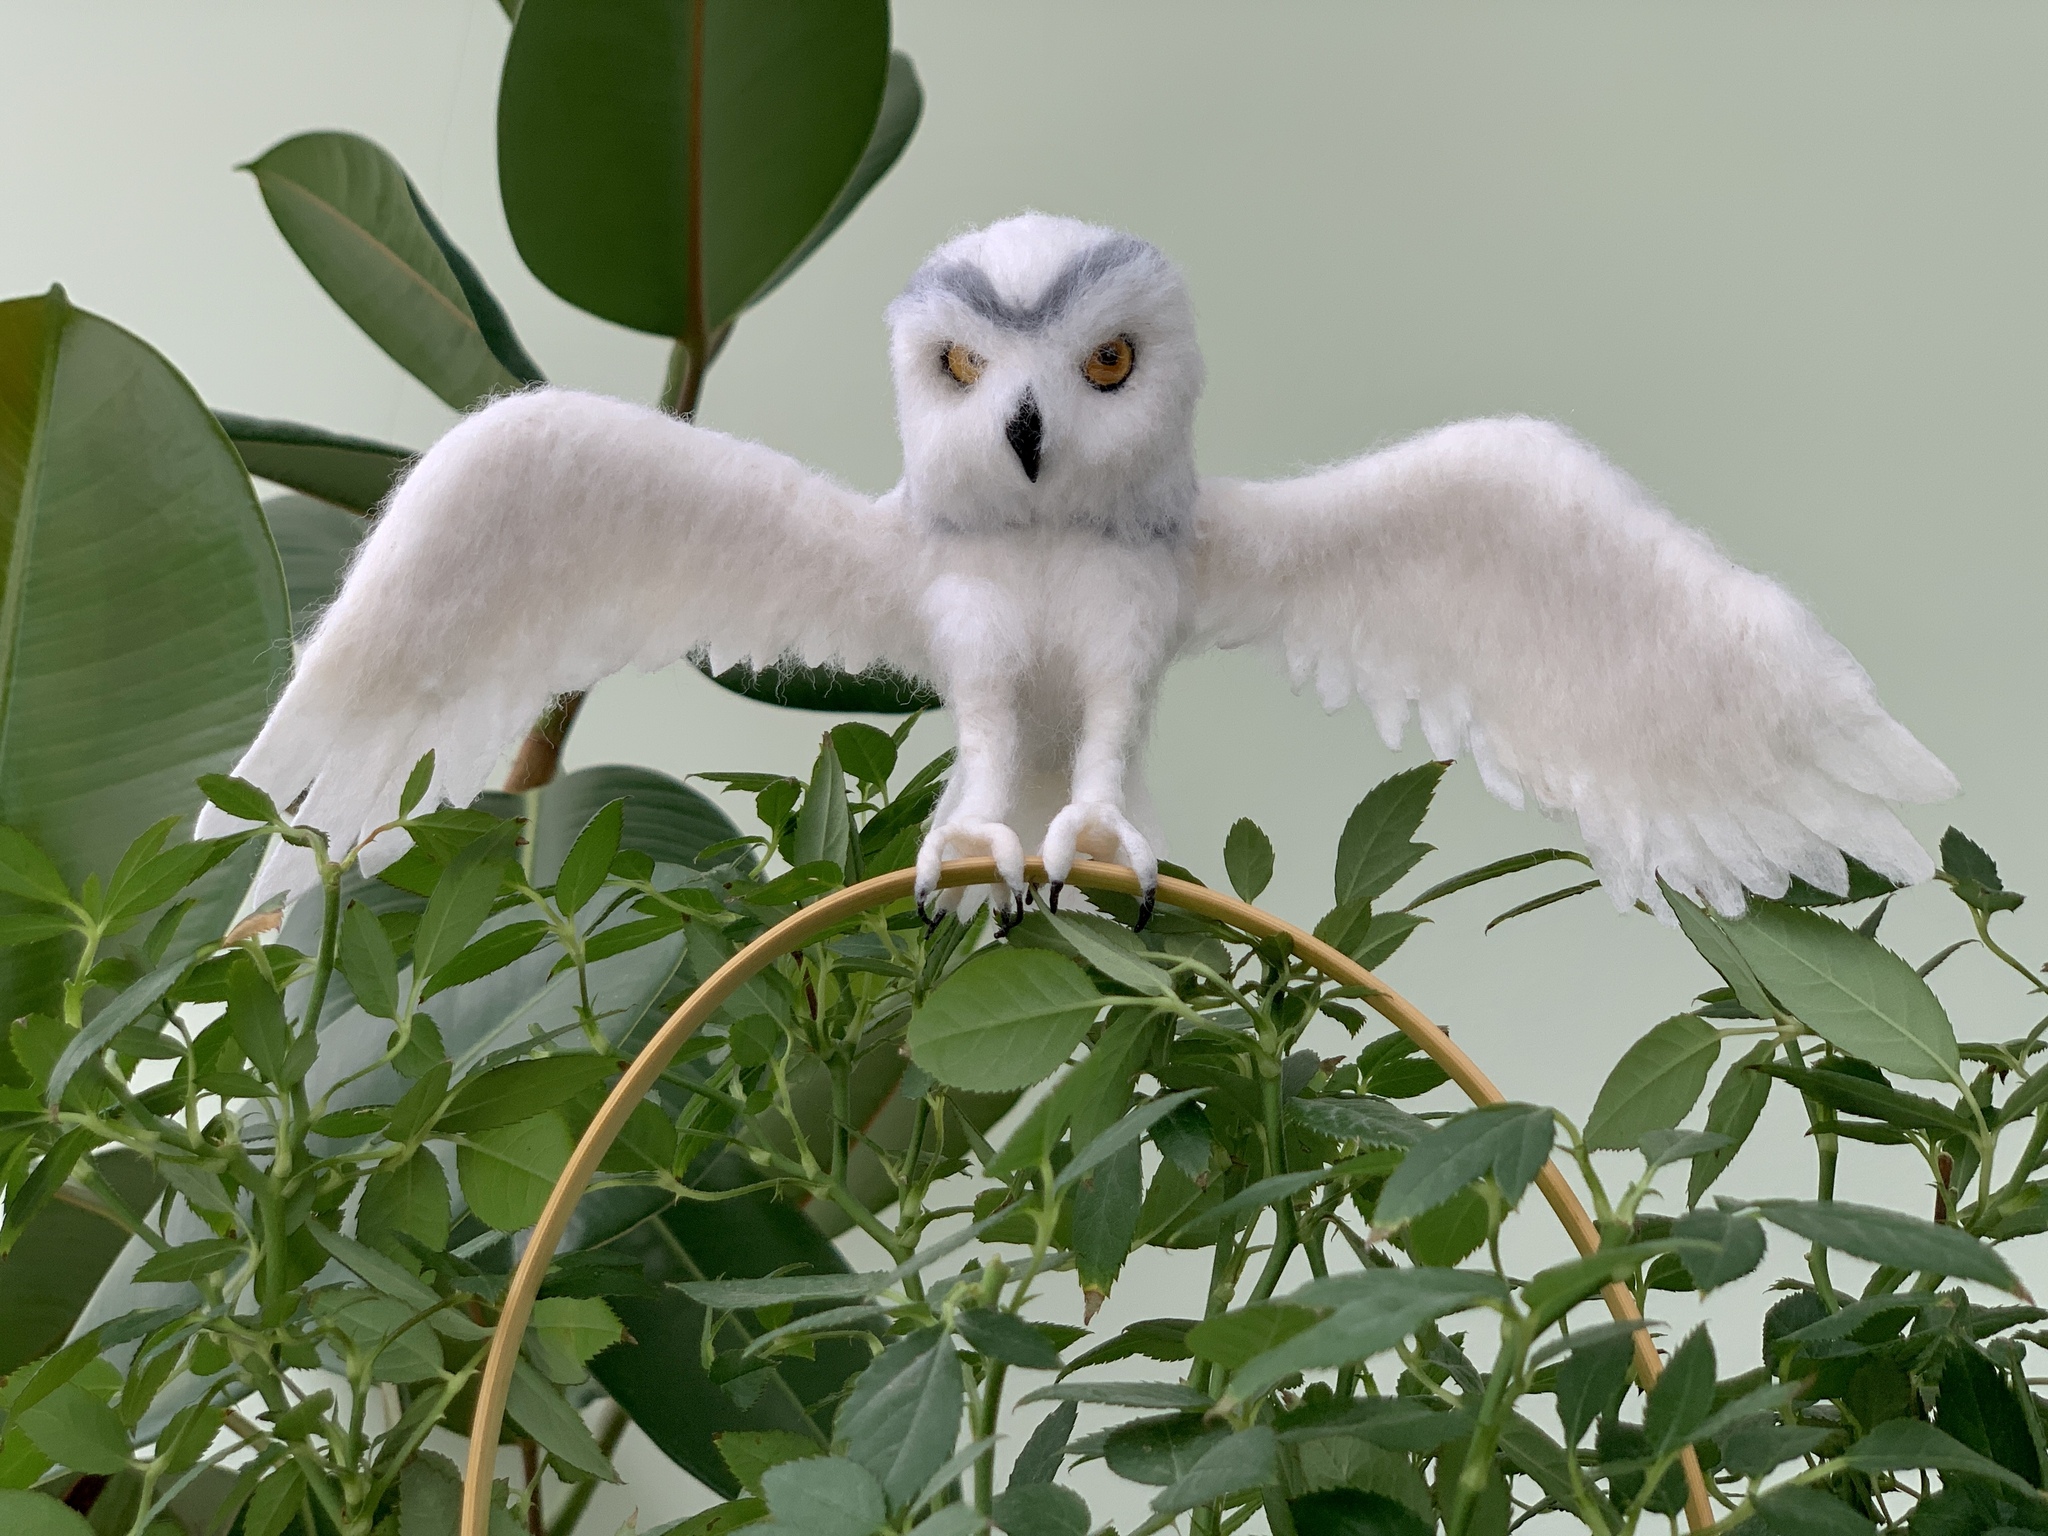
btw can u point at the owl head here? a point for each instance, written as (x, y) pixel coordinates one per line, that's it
(1046, 378)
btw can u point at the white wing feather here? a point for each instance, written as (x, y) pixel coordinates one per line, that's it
(1586, 649)
(545, 543)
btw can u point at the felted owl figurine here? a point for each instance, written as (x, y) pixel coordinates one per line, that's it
(1051, 550)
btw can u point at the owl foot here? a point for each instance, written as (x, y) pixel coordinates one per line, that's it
(966, 839)
(1099, 830)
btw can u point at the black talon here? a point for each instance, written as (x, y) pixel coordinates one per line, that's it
(1052, 895)
(931, 920)
(1010, 916)
(1145, 911)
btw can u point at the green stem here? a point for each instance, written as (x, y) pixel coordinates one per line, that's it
(1827, 1148)
(1494, 1406)
(1284, 1233)
(986, 1410)
(330, 928)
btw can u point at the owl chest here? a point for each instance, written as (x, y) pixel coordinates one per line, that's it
(1041, 598)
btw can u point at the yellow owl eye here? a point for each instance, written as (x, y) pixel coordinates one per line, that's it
(963, 365)
(1110, 363)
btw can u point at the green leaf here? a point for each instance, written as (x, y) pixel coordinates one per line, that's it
(256, 1014)
(1733, 1112)
(902, 1419)
(1248, 858)
(492, 951)
(76, 1430)
(521, 1090)
(410, 1197)
(143, 608)
(1367, 936)
(277, 1500)
(1121, 1394)
(1161, 1451)
(1591, 1382)
(1248, 1459)
(618, 147)
(1004, 1336)
(750, 1452)
(1751, 1450)
(26, 871)
(1718, 1246)
(657, 1373)
(1040, 1509)
(1974, 875)
(1375, 1310)
(1704, 931)
(1976, 1405)
(1892, 1237)
(1363, 1118)
(1850, 990)
(543, 1413)
(823, 825)
(1905, 1445)
(314, 541)
(1512, 865)
(1796, 1511)
(822, 1495)
(1232, 1338)
(461, 901)
(781, 1290)
(59, 1259)
(1509, 1141)
(1125, 1132)
(577, 1327)
(355, 473)
(1375, 848)
(130, 1005)
(1354, 1512)
(867, 753)
(189, 1261)
(1873, 1100)
(902, 106)
(345, 206)
(1683, 1396)
(24, 1512)
(590, 858)
(1656, 1082)
(1006, 1019)
(507, 1171)
(368, 962)
(373, 1268)
(1105, 1218)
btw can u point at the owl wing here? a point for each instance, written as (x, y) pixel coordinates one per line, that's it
(547, 542)
(1588, 651)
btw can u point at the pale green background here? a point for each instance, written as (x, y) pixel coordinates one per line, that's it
(1784, 262)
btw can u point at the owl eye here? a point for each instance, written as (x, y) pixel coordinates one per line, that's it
(963, 365)
(1110, 363)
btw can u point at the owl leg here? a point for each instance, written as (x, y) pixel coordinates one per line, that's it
(1116, 711)
(974, 635)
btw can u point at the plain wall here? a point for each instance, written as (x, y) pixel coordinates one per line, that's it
(1782, 261)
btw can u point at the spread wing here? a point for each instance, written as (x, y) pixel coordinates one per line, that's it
(1588, 651)
(545, 543)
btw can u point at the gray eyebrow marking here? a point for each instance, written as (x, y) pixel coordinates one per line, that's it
(972, 287)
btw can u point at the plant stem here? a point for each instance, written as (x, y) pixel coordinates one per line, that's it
(330, 928)
(1493, 1411)
(986, 1410)
(1284, 1236)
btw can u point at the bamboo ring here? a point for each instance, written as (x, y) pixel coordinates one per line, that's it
(797, 930)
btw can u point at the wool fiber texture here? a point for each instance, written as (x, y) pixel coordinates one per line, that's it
(1050, 551)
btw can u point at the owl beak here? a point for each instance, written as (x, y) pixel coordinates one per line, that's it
(1026, 430)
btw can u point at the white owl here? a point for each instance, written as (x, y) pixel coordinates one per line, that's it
(1051, 550)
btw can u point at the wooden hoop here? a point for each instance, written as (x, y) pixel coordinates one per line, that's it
(797, 930)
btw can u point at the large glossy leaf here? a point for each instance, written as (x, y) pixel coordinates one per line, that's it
(348, 211)
(662, 160)
(902, 106)
(143, 616)
(50, 1272)
(352, 472)
(664, 818)
(879, 690)
(314, 540)
(1848, 989)
(657, 1375)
